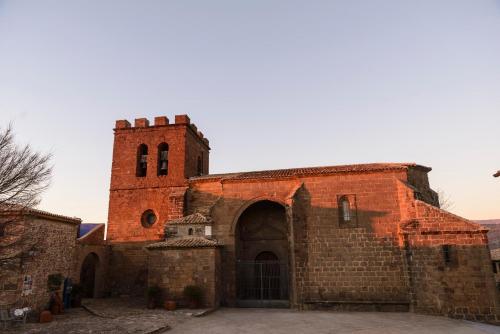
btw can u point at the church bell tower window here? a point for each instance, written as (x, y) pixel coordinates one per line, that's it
(142, 160)
(163, 159)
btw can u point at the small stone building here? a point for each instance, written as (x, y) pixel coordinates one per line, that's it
(34, 244)
(352, 237)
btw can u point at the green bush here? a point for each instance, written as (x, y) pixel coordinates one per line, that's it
(193, 293)
(155, 294)
(54, 281)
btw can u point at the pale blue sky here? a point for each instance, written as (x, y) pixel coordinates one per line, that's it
(272, 84)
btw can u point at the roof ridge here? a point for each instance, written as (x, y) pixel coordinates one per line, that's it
(311, 170)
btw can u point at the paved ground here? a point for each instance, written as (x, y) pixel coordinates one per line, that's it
(273, 321)
(109, 316)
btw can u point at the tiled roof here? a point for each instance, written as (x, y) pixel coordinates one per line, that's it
(40, 213)
(184, 242)
(46, 214)
(497, 174)
(195, 218)
(306, 171)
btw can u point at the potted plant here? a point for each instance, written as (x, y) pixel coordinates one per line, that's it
(194, 295)
(154, 296)
(54, 282)
(170, 305)
(76, 295)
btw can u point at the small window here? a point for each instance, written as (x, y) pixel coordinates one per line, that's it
(163, 159)
(190, 231)
(2, 229)
(199, 166)
(344, 210)
(495, 269)
(148, 218)
(142, 160)
(347, 210)
(446, 254)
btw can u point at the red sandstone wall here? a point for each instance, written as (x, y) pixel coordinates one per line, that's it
(463, 287)
(358, 262)
(131, 196)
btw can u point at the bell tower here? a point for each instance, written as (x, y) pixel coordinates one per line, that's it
(149, 175)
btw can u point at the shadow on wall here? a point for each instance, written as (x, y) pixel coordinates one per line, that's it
(361, 256)
(332, 254)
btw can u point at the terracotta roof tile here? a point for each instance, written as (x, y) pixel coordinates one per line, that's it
(39, 213)
(195, 218)
(497, 174)
(185, 242)
(283, 173)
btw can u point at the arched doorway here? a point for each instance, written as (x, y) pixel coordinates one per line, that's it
(262, 249)
(88, 275)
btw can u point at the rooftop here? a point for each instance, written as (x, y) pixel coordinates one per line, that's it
(195, 218)
(309, 171)
(185, 242)
(497, 174)
(40, 214)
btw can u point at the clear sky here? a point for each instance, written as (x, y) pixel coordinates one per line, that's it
(272, 84)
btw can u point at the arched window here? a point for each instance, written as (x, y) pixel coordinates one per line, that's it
(163, 159)
(345, 209)
(142, 160)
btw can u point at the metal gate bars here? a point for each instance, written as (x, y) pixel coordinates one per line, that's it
(262, 283)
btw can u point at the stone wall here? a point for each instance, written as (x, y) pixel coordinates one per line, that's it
(360, 261)
(52, 251)
(449, 265)
(174, 269)
(128, 271)
(93, 244)
(131, 196)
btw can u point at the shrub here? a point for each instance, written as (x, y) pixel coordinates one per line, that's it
(54, 281)
(155, 295)
(193, 293)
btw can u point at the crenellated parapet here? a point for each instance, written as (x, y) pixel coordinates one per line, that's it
(161, 121)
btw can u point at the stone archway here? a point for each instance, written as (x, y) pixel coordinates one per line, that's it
(262, 256)
(88, 275)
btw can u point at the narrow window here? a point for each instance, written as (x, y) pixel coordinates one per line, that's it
(495, 270)
(447, 254)
(2, 229)
(345, 210)
(142, 160)
(200, 166)
(190, 231)
(163, 159)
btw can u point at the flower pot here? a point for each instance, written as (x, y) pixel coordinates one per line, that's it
(193, 303)
(170, 305)
(45, 316)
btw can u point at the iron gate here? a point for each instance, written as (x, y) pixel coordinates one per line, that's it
(262, 283)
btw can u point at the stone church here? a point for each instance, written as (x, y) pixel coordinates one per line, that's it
(352, 237)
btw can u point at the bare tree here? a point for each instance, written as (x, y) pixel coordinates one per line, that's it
(24, 175)
(445, 201)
